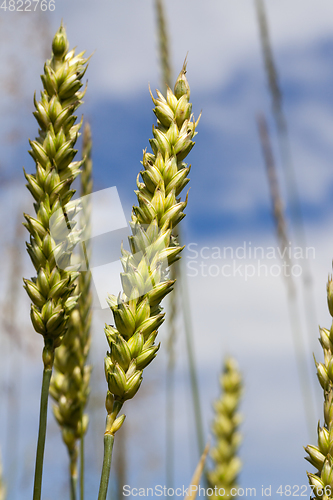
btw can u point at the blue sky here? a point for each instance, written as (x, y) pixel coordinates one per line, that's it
(228, 204)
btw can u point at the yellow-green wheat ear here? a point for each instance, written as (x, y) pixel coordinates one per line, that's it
(137, 313)
(225, 426)
(2, 483)
(52, 290)
(70, 382)
(320, 456)
(153, 248)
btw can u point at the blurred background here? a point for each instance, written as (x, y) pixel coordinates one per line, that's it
(246, 59)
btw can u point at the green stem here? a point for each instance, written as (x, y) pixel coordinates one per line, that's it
(170, 426)
(192, 363)
(82, 465)
(73, 486)
(108, 446)
(47, 372)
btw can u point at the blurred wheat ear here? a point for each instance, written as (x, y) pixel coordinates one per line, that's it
(224, 454)
(2, 483)
(70, 382)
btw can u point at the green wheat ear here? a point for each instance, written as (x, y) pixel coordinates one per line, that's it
(52, 291)
(227, 464)
(2, 484)
(153, 247)
(137, 312)
(321, 456)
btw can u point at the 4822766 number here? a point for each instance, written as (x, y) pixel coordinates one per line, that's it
(27, 5)
(302, 491)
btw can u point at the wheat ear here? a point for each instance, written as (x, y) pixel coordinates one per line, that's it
(320, 456)
(225, 428)
(2, 484)
(137, 312)
(70, 382)
(52, 290)
(85, 299)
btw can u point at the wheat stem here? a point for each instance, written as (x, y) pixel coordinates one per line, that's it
(193, 488)
(283, 240)
(163, 40)
(73, 485)
(170, 386)
(108, 447)
(192, 364)
(73, 476)
(120, 464)
(82, 464)
(293, 197)
(47, 372)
